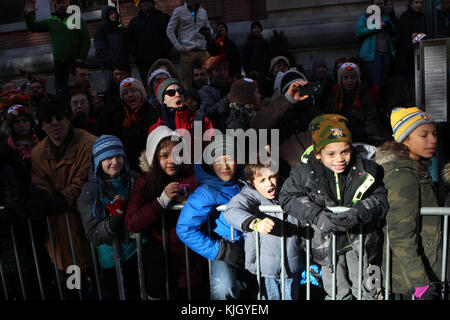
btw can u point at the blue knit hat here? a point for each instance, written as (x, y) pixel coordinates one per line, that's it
(107, 146)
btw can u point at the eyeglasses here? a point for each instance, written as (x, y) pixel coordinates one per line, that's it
(81, 102)
(172, 92)
(49, 118)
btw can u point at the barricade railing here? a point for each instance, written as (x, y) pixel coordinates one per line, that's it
(425, 211)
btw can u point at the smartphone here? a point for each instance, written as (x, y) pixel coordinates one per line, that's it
(311, 88)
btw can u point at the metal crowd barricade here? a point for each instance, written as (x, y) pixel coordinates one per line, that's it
(439, 211)
(425, 211)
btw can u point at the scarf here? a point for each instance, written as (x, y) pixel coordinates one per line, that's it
(59, 151)
(24, 149)
(131, 117)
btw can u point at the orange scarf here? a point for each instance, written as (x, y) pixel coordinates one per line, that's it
(131, 117)
(356, 103)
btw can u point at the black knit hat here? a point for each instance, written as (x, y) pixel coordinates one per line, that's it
(55, 106)
(289, 77)
(256, 24)
(242, 91)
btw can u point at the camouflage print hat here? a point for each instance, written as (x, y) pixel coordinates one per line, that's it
(329, 128)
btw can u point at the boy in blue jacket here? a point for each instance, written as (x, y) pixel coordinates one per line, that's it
(204, 230)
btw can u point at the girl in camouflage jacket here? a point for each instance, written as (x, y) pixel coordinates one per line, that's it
(414, 239)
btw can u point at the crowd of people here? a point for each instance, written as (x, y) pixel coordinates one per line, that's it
(89, 172)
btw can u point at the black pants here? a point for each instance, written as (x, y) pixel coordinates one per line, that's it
(61, 74)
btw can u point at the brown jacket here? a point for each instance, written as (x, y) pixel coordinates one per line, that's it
(66, 176)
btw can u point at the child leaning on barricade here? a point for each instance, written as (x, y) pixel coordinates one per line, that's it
(332, 174)
(243, 213)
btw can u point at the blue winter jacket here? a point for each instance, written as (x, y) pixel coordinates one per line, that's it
(193, 221)
(369, 36)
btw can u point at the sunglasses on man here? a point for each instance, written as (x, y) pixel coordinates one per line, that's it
(172, 92)
(49, 118)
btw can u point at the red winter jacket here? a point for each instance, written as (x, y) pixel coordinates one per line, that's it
(184, 119)
(144, 213)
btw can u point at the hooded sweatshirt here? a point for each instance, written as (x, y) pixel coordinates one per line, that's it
(110, 41)
(201, 205)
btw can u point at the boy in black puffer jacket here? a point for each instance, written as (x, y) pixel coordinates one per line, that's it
(331, 175)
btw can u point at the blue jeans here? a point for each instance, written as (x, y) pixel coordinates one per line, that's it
(379, 68)
(229, 283)
(271, 289)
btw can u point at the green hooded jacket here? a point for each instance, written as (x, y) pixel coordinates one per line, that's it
(415, 240)
(67, 44)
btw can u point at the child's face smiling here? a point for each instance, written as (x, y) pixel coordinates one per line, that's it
(225, 167)
(113, 166)
(335, 156)
(265, 182)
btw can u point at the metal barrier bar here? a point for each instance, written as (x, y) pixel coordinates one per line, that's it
(444, 254)
(55, 262)
(209, 261)
(360, 262)
(143, 290)
(72, 248)
(36, 260)
(283, 258)
(118, 267)
(333, 267)
(166, 258)
(188, 274)
(258, 264)
(308, 262)
(2, 276)
(388, 264)
(19, 269)
(97, 274)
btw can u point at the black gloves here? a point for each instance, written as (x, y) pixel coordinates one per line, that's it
(346, 220)
(58, 204)
(327, 221)
(115, 222)
(42, 204)
(38, 203)
(324, 222)
(231, 253)
(429, 292)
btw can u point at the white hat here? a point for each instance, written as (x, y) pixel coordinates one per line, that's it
(155, 137)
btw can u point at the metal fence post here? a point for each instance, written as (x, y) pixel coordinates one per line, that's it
(333, 275)
(308, 262)
(2, 276)
(360, 262)
(166, 257)
(36, 261)
(188, 274)
(72, 248)
(19, 269)
(118, 267)
(55, 262)
(444, 254)
(97, 275)
(142, 288)
(388, 264)
(258, 264)
(283, 258)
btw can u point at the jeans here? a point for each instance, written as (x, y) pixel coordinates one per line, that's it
(229, 283)
(379, 68)
(271, 289)
(347, 278)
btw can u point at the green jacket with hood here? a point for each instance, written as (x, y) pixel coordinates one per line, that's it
(414, 239)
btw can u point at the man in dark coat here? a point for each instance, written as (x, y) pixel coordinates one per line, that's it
(110, 43)
(146, 34)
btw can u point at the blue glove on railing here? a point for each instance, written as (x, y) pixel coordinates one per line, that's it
(315, 276)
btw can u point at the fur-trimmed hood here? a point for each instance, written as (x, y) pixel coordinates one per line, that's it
(143, 163)
(386, 153)
(446, 173)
